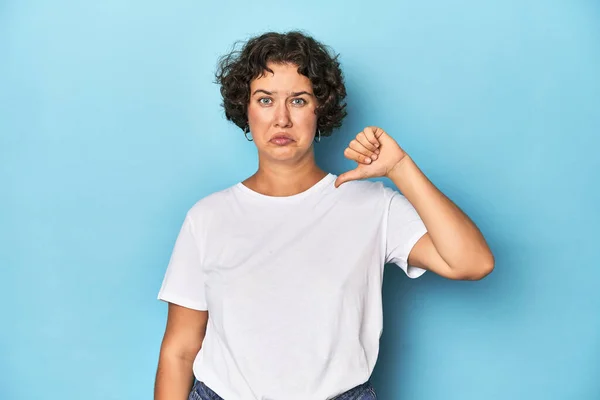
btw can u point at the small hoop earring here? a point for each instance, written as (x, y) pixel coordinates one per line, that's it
(246, 130)
(318, 137)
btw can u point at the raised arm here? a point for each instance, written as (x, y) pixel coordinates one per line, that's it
(453, 246)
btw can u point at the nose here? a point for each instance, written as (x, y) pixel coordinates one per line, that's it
(282, 116)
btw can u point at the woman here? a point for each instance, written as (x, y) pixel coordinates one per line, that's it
(274, 284)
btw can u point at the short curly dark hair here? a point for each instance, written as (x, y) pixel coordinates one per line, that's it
(314, 60)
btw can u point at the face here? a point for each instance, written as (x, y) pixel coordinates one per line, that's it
(281, 114)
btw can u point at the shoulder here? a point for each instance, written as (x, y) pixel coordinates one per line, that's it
(366, 191)
(210, 204)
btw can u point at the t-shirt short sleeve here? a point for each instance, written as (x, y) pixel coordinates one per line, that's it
(404, 229)
(183, 283)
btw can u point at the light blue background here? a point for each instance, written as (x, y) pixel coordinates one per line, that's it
(110, 129)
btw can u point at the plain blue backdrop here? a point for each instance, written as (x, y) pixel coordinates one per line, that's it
(111, 128)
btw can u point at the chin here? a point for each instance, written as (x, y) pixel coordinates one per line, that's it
(284, 154)
(283, 157)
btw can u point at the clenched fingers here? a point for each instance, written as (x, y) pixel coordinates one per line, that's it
(364, 140)
(361, 149)
(354, 155)
(369, 135)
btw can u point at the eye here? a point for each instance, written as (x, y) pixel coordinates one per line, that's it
(299, 102)
(265, 101)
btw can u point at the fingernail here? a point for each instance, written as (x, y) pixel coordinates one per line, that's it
(374, 156)
(367, 160)
(376, 151)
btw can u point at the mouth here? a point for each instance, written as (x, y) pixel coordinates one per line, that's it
(281, 139)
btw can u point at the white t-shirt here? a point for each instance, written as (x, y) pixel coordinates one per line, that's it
(292, 285)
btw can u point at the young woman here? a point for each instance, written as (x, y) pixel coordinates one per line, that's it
(274, 284)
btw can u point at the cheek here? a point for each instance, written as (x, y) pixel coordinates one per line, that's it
(256, 114)
(307, 118)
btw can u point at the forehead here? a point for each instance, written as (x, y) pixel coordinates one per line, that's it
(285, 77)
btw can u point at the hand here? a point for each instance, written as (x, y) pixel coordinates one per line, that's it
(376, 153)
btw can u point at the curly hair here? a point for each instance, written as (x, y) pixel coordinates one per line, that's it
(314, 60)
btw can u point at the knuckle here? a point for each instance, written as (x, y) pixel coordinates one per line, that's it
(365, 142)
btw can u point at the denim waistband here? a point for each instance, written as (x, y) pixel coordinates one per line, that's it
(356, 391)
(203, 392)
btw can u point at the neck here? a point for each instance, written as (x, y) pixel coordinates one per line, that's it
(275, 179)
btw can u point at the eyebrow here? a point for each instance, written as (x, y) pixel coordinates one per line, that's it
(293, 94)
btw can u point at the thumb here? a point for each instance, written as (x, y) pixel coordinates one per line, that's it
(348, 176)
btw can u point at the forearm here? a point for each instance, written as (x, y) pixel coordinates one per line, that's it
(174, 378)
(455, 237)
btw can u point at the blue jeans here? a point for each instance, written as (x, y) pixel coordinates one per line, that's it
(361, 392)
